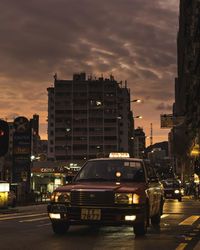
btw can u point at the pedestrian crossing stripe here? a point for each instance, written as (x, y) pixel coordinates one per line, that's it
(36, 219)
(189, 221)
(20, 216)
(164, 215)
(181, 246)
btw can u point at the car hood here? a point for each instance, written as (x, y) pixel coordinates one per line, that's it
(167, 189)
(103, 186)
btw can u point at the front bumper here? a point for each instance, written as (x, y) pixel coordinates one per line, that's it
(106, 215)
(172, 195)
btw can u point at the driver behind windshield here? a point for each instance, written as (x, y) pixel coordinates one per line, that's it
(112, 171)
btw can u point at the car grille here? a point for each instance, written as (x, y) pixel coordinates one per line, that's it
(83, 197)
(169, 192)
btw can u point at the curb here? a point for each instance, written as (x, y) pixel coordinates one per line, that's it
(8, 211)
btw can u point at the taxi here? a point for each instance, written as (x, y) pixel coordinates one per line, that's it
(109, 191)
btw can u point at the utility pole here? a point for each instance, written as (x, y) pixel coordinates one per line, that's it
(151, 137)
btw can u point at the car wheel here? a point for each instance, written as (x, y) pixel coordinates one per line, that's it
(180, 199)
(59, 227)
(141, 228)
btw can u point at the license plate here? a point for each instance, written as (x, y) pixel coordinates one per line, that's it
(169, 195)
(90, 214)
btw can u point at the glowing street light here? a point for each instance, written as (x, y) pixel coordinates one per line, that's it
(136, 100)
(138, 116)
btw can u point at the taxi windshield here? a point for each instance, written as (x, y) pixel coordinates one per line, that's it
(170, 184)
(112, 170)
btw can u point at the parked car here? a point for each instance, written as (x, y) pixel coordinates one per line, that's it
(109, 191)
(172, 189)
(11, 199)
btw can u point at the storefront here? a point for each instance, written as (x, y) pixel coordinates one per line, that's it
(45, 180)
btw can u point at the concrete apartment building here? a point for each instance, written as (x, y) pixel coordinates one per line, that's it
(139, 143)
(88, 118)
(185, 136)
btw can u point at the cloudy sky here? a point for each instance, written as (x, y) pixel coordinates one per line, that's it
(134, 40)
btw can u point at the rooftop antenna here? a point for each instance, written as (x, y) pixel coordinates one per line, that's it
(125, 83)
(151, 137)
(55, 76)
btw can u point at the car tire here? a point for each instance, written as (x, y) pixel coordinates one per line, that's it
(59, 227)
(180, 199)
(141, 228)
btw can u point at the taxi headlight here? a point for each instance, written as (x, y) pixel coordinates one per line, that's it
(61, 197)
(126, 198)
(177, 191)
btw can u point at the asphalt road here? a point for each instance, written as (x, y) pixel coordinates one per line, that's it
(29, 228)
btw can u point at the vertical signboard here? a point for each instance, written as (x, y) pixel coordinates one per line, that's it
(22, 152)
(166, 121)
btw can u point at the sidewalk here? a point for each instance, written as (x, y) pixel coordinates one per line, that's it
(26, 208)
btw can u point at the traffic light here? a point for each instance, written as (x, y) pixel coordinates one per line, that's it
(4, 137)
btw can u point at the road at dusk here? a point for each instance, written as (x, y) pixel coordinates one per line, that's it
(30, 228)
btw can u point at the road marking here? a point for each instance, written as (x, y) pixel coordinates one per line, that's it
(188, 238)
(181, 246)
(6, 215)
(164, 215)
(193, 234)
(197, 247)
(45, 224)
(189, 221)
(30, 220)
(21, 216)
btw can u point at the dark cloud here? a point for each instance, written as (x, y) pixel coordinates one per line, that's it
(135, 40)
(163, 106)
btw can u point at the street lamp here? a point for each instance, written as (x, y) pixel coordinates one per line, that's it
(136, 100)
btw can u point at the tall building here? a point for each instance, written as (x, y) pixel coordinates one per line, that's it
(185, 136)
(139, 143)
(88, 118)
(35, 138)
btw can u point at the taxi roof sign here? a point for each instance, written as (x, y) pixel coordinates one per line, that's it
(119, 155)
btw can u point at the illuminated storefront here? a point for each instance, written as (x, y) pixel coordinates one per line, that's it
(45, 180)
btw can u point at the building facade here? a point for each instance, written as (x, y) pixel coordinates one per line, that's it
(139, 143)
(88, 118)
(185, 137)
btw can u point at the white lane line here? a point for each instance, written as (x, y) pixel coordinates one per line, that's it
(6, 215)
(181, 246)
(21, 216)
(164, 215)
(45, 224)
(36, 219)
(197, 247)
(189, 221)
